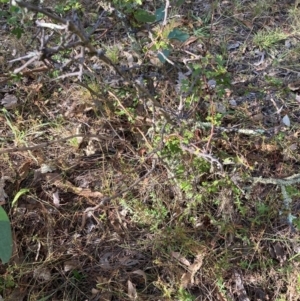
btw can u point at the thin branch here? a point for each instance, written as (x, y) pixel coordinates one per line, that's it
(50, 25)
(16, 71)
(248, 132)
(28, 56)
(192, 149)
(38, 9)
(78, 74)
(166, 13)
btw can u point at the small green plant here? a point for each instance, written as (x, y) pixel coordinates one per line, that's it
(7, 281)
(210, 73)
(149, 215)
(221, 285)
(265, 39)
(276, 82)
(67, 6)
(113, 53)
(204, 30)
(77, 275)
(183, 295)
(74, 142)
(163, 35)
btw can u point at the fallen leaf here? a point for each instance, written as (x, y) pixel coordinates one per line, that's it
(56, 200)
(24, 170)
(180, 258)
(47, 168)
(3, 195)
(279, 252)
(294, 86)
(95, 291)
(131, 290)
(190, 40)
(239, 287)
(71, 265)
(9, 101)
(129, 58)
(141, 273)
(257, 117)
(42, 274)
(187, 279)
(234, 46)
(269, 147)
(286, 120)
(262, 58)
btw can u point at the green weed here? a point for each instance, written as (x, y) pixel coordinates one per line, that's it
(265, 39)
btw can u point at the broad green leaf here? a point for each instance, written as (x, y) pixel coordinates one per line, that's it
(166, 53)
(143, 16)
(18, 195)
(160, 14)
(6, 242)
(14, 9)
(179, 35)
(3, 215)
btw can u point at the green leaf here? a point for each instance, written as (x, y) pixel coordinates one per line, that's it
(143, 16)
(6, 242)
(17, 31)
(14, 9)
(160, 14)
(166, 53)
(3, 215)
(179, 35)
(18, 195)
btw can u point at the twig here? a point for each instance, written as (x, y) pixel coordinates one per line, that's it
(164, 57)
(248, 132)
(166, 13)
(28, 56)
(37, 57)
(239, 286)
(50, 25)
(38, 9)
(192, 149)
(294, 179)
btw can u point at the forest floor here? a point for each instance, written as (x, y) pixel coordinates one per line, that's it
(198, 199)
